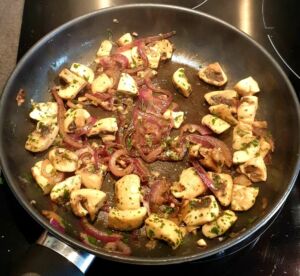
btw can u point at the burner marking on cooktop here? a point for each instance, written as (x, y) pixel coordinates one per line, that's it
(263, 16)
(281, 57)
(199, 5)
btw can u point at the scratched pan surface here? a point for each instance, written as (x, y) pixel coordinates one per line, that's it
(200, 39)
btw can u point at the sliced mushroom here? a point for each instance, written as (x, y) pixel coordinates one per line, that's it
(213, 74)
(105, 48)
(128, 55)
(197, 212)
(125, 39)
(92, 177)
(181, 82)
(228, 97)
(224, 112)
(42, 111)
(102, 83)
(61, 191)
(189, 186)
(247, 87)
(255, 169)
(45, 183)
(153, 56)
(243, 198)
(127, 85)
(83, 72)
(220, 226)
(264, 147)
(248, 151)
(223, 187)
(105, 125)
(75, 84)
(75, 118)
(242, 135)
(63, 160)
(242, 180)
(42, 137)
(216, 124)
(87, 201)
(136, 57)
(127, 192)
(177, 117)
(163, 229)
(165, 48)
(247, 109)
(126, 220)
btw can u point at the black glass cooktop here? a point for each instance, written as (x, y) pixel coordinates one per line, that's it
(276, 26)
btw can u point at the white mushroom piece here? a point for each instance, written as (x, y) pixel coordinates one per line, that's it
(61, 191)
(42, 137)
(248, 151)
(105, 48)
(223, 187)
(45, 175)
(87, 201)
(127, 192)
(105, 125)
(163, 229)
(92, 177)
(219, 226)
(83, 72)
(153, 56)
(177, 117)
(44, 111)
(126, 220)
(102, 83)
(247, 109)
(216, 124)
(74, 85)
(128, 55)
(181, 82)
(213, 74)
(165, 48)
(243, 198)
(63, 160)
(225, 112)
(255, 169)
(247, 87)
(125, 39)
(75, 118)
(227, 97)
(189, 185)
(199, 211)
(241, 135)
(138, 61)
(127, 85)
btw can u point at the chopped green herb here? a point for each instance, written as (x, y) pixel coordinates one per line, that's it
(215, 230)
(150, 233)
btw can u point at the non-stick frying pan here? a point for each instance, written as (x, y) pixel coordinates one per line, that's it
(200, 39)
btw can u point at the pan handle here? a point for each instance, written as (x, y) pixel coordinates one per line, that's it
(50, 256)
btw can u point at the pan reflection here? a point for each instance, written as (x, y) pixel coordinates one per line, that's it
(245, 16)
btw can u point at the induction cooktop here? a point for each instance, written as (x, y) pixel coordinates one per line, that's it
(276, 26)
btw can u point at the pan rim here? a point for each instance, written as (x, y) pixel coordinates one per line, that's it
(143, 260)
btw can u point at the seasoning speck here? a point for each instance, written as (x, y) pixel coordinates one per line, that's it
(20, 97)
(135, 34)
(115, 20)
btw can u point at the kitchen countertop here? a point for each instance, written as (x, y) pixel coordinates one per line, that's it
(10, 24)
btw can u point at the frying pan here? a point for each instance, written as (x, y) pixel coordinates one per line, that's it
(200, 39)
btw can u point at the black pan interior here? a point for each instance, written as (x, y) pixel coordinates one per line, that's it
(200, 40)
